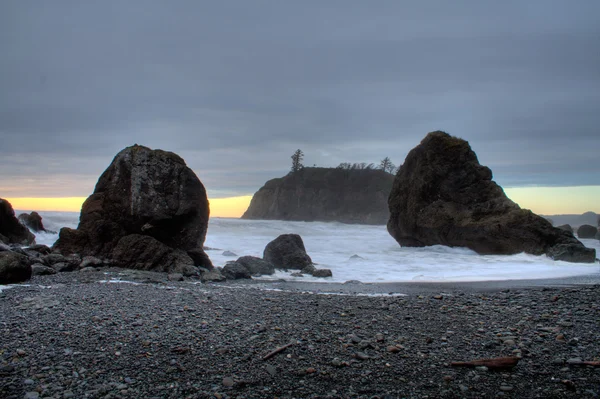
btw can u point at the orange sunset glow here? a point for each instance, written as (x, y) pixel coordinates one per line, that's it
(232, 207)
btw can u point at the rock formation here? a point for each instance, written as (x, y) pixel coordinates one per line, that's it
(11, 231)
(147, 211)
(287, 252)
(325, 194)
(33, 221)
(442, 195)
(587, 231)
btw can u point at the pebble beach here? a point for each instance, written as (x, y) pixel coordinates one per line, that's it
(117, 333)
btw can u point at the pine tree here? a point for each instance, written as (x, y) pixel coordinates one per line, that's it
(386, 165)
(297, 160)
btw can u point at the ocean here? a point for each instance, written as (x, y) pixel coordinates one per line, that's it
(380, 259)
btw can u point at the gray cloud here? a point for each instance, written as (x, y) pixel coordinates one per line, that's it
(235, 87)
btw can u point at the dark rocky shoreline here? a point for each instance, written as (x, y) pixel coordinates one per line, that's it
(70, 335)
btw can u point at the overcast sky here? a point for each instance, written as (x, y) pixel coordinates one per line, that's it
(235, 87)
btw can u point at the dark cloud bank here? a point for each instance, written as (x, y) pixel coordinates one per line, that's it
(236, 86)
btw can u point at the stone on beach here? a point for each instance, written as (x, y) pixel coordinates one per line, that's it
(443, 196)
(144, 199)
(14, 268)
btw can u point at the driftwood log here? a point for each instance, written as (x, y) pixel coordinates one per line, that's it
(498, 363)
(276, 351)
(586, 363)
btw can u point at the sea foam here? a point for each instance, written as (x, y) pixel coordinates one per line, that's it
(380, 258)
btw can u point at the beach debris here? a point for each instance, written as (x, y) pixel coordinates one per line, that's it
(277, 350)
(498, 363)
(579, 362)
(180, 349)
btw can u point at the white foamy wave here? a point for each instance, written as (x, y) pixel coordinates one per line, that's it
(380, 258)
(53, 222)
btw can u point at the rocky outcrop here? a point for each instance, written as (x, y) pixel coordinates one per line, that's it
(33, 221)
(442, 195)
(324, 194)
(14, 267)
(11, 231)
(147, 210)
(586, 231)
(287, 252)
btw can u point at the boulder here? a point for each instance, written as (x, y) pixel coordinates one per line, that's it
(14, 268)
(256, 266)
(287, 252)
(587, 231)
(143, 193)
(210, 275)
(175, 277)
(322, 273)
(597, 236)
(88, 261)
(136, 251)
(62, 267)
(308, 269)
(12, 231)
(38, 269)
(443, 196)
(235, 271)
(33, 221)
(53, 258)
(566, 227)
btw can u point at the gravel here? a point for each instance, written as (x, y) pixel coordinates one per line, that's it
(78, 335)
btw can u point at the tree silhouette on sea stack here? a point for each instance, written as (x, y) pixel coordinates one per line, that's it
(297, 161)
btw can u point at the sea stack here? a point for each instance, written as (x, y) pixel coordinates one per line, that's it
(326, 195)
(442, 195)
(11, 230)
(148, 211)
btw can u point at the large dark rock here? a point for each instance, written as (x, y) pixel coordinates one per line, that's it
(586, 231)
(256, 266)
(33, 221)
(136, 251)
(14, 268)
(287, 252)
(324, 194)
(236, 271)
(442, 195)
(11, 229)
(143, 194)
